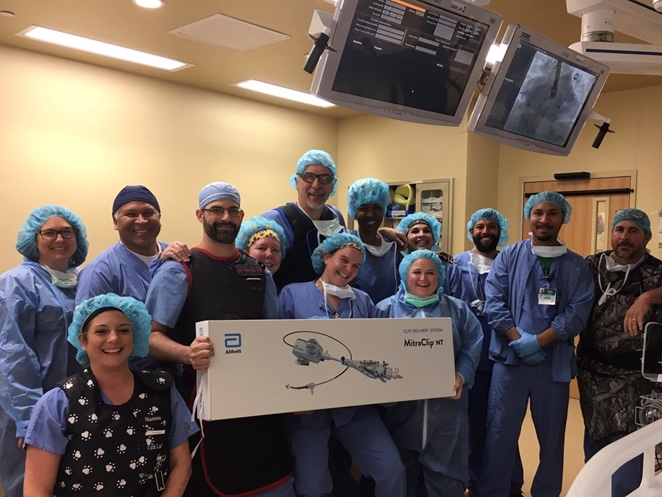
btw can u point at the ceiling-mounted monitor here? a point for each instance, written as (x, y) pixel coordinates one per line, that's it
(539, 96)
(410, 60)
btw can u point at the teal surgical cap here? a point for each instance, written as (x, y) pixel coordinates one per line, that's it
(409, 259)
(26, 245)
(492, 215)
(315, 158)
(420, 217)
(367, 191)
(256, 224)
(634, 216)
(333, 243)
(133, 309)
(551, 197)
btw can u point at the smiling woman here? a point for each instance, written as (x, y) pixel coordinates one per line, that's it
(36, 304)
(77, 429)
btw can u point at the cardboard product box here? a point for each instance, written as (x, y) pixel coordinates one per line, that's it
(274, 366)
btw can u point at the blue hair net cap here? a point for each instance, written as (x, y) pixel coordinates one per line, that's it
(492, 215)
(409, 259)
(218, 191)
(367, 191)
(27, 246)
(315, 158)
(636, 216)
(421, 217)
(331, 244)
(551, 197)
(133, 309)
(255, 225)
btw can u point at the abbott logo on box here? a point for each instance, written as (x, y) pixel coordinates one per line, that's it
(232, 343)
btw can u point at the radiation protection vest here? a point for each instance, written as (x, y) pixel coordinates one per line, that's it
(115, 449)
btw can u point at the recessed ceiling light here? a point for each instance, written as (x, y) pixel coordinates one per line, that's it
(149, 4)
(101, 48)
(6, 13)
(279, 91)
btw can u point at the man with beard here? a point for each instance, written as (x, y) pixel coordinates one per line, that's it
(628, 292)
(248, 456)
(487, 229)
(308, 221)
(538, 298)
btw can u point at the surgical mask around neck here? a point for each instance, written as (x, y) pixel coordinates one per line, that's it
(328, 228)
(481, 263)
(64, 279)
(611, 266)
(614, 267)
(342, 292)
(419, 302)
(381, 250)
(549, 252)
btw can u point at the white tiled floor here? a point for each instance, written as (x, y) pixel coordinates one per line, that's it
(574, 450)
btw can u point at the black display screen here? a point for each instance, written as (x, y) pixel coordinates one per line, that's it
(407, 55)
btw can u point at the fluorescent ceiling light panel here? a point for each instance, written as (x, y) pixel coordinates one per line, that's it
(279, 91)
(101, 48)
(149, 4)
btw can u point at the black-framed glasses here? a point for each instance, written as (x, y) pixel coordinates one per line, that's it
(66, 233)
(220, 211)
(324, 179)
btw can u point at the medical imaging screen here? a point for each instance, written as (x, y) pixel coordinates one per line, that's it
(397, 52)
(541, 96)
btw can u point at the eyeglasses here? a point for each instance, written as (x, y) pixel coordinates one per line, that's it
(220, 211)
(324, 179)
(66, 234)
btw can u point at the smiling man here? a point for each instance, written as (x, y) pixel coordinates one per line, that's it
(538, 298)
(628, 294)
(308, 221)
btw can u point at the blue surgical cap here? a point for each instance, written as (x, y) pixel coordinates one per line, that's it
(492, 215)
(634, 216)
(409, 259)
(255, 225)
(367, 191)
(218, 191)
(315, 158)
(133, 193)
(331, 244)
(420, 217)
(133, 309)
(551, 197)
(27, 246)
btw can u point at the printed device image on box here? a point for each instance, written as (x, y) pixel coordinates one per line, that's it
(266, 367)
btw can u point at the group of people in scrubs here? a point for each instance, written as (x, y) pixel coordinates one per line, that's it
(514, 314)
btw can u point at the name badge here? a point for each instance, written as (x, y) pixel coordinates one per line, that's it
(547, 296)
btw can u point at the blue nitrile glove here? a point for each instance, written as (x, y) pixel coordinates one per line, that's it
(533, 359)
(526, 345)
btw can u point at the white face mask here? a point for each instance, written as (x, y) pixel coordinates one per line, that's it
(481, 263)
(328, 228)
(64, 279)
(381, 250)
(614, 267)
(549, 252)
(342, 292)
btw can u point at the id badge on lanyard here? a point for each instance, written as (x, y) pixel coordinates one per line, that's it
(547, 296)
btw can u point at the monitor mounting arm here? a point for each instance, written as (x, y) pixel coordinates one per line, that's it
(633, 17)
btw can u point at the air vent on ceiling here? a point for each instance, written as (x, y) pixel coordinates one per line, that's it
(227, 32)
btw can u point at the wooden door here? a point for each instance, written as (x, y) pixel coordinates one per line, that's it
(594, 203)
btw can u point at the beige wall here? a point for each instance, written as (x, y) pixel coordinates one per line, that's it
(635, 145)
(74, 134)
(396, 151)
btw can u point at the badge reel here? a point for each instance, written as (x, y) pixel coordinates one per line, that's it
(477, 306)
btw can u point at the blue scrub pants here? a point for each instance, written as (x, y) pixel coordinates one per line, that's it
(510, 391)
(366, 439)
(12, 459)
(478, 401)
(628, 478)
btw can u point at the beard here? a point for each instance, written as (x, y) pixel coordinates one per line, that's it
(219, 232)
(487, 243)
